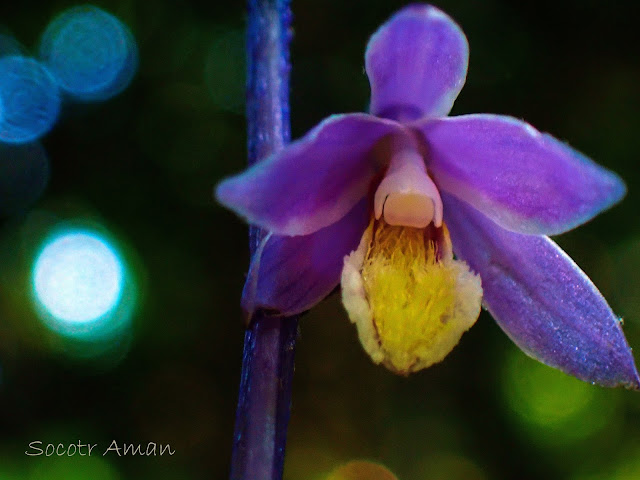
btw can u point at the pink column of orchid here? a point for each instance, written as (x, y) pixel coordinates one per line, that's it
(494, 184)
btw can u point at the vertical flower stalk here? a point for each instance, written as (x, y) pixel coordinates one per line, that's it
(269, 345)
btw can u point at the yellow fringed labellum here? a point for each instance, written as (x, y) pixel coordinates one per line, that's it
(410, 299)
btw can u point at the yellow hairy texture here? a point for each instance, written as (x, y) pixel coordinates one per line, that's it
(419, 304)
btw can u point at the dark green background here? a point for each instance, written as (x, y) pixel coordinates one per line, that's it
(143, 166)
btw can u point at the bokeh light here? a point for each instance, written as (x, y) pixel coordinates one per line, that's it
(78, 277)
(553, 408)
(24, 174)
(10, 467)
(625, 465)
(29, 99)
(75, 467)
(90, 52)
(361, 470)
(444, 465)
(81, 287)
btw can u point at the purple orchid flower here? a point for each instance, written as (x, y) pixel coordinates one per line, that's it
(381, 202)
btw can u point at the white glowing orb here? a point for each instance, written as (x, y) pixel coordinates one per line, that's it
(78, 277)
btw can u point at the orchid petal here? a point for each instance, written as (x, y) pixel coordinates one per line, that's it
(542, 300)
(291, 274)
(417, 64)
(524, 180)
(312, 182)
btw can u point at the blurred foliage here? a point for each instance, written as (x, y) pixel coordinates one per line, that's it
(142, 166)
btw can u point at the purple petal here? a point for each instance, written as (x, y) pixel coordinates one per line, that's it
(524, 180)
(542, 300)
(417, 64)
(314, 181)
(291, 274)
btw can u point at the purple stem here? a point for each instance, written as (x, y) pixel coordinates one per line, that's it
(269, 344)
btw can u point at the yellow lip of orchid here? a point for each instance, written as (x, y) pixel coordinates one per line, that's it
(410, 300)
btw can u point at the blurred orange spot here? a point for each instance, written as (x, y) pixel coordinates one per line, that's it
(361, 470)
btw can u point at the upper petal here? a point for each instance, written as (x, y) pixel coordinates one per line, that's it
(289, 275)
(542, 300)
(524, 180)
(312, 182)
(416, 63)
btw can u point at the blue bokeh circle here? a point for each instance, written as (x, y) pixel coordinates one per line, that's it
(90, 52)
(29, 99)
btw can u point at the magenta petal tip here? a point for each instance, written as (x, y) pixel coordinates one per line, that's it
(542, 300)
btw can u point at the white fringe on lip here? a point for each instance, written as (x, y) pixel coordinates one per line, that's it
(354, 299)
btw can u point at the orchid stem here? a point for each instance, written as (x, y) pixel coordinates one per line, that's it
(264, 400)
